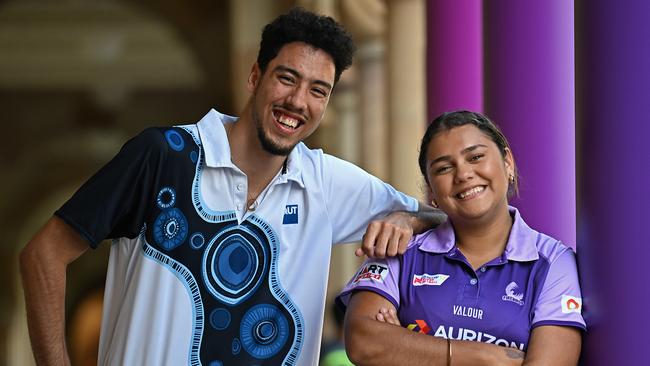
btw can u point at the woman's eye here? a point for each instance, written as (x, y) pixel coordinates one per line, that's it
(443, 169)
(476, 157)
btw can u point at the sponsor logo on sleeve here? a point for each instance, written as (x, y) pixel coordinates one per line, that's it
(371, 272)
(571, 304)
(513, 296)
(426, 279)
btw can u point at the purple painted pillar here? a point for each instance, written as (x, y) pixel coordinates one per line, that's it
(454, 56)
(613, 127)
(529, 92)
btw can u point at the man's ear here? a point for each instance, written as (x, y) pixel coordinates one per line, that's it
(254, 78)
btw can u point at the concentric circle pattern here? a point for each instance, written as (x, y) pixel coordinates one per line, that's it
(175, 140)
(264, 331)
(170, 228)
(234, 265)
(197, 240)
(220, 318)
(236, 346)
(166, 198)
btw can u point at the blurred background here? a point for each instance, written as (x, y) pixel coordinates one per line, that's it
(79, 77)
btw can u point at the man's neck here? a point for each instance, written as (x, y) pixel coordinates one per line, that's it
(249, 156)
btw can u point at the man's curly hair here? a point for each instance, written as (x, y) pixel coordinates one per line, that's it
(299, 25)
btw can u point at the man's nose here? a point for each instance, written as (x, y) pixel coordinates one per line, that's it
(297, 99)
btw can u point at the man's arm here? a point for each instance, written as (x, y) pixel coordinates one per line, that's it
(369, 341)
(43, 264)
(390, 236)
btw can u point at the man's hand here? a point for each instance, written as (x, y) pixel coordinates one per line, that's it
(388, 236)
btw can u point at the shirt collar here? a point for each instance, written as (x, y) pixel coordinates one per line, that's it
(217, 150)
(521, 246)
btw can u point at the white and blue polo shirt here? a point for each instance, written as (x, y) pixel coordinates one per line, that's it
(197, 278)
(436, 291)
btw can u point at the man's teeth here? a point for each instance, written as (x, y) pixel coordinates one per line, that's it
(470, 192)
(288, 121)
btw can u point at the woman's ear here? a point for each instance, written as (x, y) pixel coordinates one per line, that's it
(509, 161)
(430, 198)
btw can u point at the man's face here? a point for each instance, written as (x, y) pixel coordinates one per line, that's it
(289, 99)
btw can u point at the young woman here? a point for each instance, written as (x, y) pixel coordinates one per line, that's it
(488, 288)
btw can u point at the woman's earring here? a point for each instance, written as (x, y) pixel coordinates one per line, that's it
(434, 204)
(511, 178)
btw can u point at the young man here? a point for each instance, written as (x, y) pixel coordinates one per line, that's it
(223, 228)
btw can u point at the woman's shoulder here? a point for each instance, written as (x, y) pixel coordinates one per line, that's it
(550, 248)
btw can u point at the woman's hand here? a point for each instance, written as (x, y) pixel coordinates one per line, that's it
(388, 316)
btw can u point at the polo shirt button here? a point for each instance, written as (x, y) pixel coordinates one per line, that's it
(483, 269)
(473, 281)
(240, 187)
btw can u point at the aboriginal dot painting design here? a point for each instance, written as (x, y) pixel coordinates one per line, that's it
(242, 314)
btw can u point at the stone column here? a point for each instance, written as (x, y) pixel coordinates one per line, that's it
(613, 128)
(406, 92)
(529, 92)
(248, 17)
(366, 20)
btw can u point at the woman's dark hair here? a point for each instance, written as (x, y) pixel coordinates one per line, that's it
(449, 120)
(299, 25)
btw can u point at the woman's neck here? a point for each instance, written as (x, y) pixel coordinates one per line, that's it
(482, 242)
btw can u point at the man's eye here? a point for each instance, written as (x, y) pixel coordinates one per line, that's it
(285, 79)
(319, 92)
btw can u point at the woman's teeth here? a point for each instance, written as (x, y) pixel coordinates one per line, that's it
(471, 192)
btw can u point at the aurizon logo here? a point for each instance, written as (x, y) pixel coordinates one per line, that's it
(424, 327)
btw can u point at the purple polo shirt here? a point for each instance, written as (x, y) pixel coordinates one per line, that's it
(436, 291)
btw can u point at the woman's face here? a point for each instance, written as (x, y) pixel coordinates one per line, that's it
(468, 176)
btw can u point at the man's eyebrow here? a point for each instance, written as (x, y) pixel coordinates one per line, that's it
(464, 151)
(294, 72)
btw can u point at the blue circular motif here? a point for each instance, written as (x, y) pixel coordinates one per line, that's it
(170, 228)
(216, 363)
(175, 140)
(220, 318)
(197, 240)
(194, 156)
(264, 331)
(236, 346)
(166, 198)
(234, 264)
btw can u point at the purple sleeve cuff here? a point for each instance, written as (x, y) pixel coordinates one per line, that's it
(560, 323)
(343, 299)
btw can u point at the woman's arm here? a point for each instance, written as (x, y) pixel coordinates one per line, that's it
(372, 342)
(554, 345)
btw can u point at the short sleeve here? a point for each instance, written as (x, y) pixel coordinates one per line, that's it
(377, 275)
(354, 197)
(560, 300)
(113, 202)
